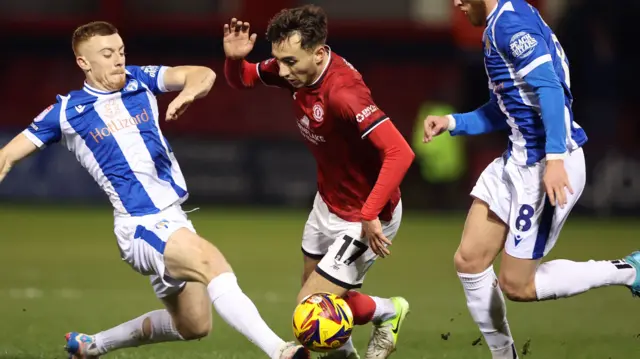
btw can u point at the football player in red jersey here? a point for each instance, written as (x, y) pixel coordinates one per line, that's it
(361, 160)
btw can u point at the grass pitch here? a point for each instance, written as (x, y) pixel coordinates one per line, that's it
(60, 271)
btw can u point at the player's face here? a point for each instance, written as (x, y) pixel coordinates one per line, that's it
(301, 67)
(102, 58)
(476, 10)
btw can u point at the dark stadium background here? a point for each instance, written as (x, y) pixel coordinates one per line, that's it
(248, 170)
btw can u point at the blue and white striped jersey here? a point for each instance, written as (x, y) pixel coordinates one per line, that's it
(116, 137)
(528, 73)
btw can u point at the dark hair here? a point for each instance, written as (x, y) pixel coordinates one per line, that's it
(87, 31)
(309, 21)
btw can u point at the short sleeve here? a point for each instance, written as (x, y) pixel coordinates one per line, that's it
(354, 104)
(151, 76)
(522, 44)
(269, 73)
(45, 128)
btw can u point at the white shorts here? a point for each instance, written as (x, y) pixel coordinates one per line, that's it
(344, 256)
(142, 240)
(517, 196)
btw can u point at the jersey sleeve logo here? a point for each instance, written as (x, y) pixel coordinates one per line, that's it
(522, 45)
(42, 114)
(150, 70)
(366, 112)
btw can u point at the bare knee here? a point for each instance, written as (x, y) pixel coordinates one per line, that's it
(482, 240)
(189, 257)
(517, 290)
(468, 262)
(190, 311)
(194, 330)
(517, 278)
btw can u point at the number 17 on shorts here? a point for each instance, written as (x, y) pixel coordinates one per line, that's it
(346, 261)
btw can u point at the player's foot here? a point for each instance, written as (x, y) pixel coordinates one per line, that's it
(340, 354)
(81, 346)
(385, 335)
(290, 350)
(634, 260)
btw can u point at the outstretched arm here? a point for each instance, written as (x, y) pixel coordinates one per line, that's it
(19, 148)
(487, 118)
(240, 73)
(43, 131)
(193, 81)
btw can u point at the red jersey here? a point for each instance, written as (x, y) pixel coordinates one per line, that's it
(337, 116)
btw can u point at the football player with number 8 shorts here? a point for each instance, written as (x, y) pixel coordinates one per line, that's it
(523, 198)
(361, 160)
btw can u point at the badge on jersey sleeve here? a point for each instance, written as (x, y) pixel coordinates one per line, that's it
(522, 44)
(40, 117)
(42, 114)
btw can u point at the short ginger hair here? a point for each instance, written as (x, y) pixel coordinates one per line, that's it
(87, 31)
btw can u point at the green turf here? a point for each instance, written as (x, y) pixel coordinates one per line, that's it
(60, 270)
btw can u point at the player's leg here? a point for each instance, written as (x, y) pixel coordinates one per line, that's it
(315, 245)
(389, 313)
(189, 257)
(523, 279)
(187, 317)
(309, 265)
(343, 269)
(172, 251)
(482, 240)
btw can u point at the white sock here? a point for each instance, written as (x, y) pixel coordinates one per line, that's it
(385, 310)
(563, 278)
(130, 334)
(486, 305)
(239, 311)
(509, 352)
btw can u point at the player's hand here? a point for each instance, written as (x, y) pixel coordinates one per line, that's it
(433, 126)
(555, 181)
(372, 230)
(178, 106)
(236, 41)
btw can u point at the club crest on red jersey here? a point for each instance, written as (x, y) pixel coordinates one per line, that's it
(318, 112)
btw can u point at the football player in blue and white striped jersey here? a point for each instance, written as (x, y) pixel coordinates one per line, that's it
(523, 198)
(112, 125)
